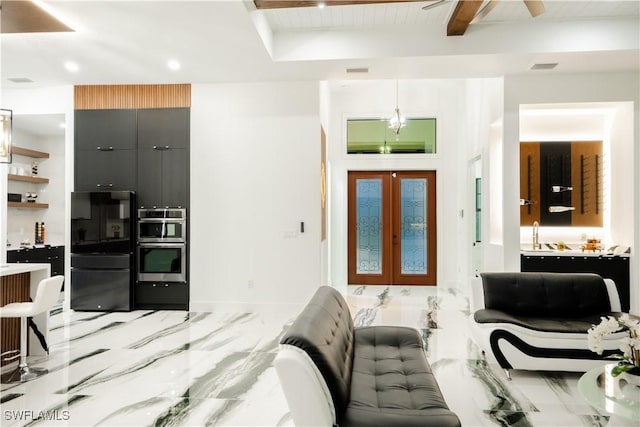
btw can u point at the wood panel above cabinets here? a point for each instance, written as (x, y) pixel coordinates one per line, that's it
(561, 183)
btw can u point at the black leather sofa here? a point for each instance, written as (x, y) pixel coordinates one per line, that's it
(539, 321)
(336, 375)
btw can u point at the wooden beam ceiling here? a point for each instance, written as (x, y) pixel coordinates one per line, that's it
(281, 4)
(20, 16)
(462, 16)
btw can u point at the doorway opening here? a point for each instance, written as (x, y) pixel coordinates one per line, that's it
(392, 228)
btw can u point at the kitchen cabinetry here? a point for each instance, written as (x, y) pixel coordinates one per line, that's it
(162, 296)
(53, 255)
(28, 178)
(611, 267)
(105, 150)
(163, 157)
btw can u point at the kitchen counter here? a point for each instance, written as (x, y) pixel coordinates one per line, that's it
(606, 264)
(18, 247)
(571, 253)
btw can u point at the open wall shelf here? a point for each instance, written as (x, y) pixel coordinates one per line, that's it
(32, 179)
(29, 153)
(28, 205)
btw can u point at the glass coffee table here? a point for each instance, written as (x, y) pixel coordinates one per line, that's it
(592, 387)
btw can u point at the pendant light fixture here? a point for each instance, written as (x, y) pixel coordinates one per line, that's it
(397, 121)
(6, 119)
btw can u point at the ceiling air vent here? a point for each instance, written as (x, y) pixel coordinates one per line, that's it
(20, 80)
(547, 66)
(362, 70)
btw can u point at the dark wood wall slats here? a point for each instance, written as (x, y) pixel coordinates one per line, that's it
(107, 97)
(15, 288)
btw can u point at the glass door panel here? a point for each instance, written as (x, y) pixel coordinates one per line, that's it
(369, 226)
(413, 225)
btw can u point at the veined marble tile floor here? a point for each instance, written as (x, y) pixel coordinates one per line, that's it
(173, 368)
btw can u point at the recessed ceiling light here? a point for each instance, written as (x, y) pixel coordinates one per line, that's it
(322, 5)
(173, 65)
(71, 66)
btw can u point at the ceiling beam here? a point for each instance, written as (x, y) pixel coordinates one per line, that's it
(19, 16)
(281, 4)
(462, 16)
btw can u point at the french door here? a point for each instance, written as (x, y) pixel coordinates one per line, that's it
(392, 228)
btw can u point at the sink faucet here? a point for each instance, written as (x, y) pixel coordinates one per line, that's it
(535, 235)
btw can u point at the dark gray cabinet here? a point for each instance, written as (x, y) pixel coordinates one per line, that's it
(105, 170)
(163, 157)
(105, 142)
(163, 127)
(611, 267)
(53, 255)
(104, 129)
(162, 296)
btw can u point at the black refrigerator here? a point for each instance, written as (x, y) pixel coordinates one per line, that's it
(102, 250)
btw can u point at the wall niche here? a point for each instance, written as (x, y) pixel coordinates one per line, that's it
(561, 183)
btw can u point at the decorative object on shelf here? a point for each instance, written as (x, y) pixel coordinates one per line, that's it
(397, 121)
(623, 378)
(561, 246)
(557, 209)
(560, 188)
(34, 169)
(30, 197)
(6, 120)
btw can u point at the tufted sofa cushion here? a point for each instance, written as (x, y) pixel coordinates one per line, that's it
(392, 383)
(546, 295)
(324, 330)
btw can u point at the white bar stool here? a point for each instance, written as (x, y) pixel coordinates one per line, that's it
(46, 297)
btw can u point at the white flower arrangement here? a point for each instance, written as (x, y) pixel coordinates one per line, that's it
(630, 346)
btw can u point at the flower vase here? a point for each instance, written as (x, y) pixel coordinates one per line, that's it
(625, 386)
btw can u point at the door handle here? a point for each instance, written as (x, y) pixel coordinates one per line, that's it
(104, 185)
(395, 240)
(105, 148)
(157, 147)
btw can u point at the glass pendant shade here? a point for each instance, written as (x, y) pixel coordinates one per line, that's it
(397, 121)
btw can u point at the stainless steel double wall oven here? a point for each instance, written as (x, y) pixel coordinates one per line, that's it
(162, 245)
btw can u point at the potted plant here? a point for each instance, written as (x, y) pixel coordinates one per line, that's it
(630, 347)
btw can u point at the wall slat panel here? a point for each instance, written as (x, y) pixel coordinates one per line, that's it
(102, 97)
(14, 288)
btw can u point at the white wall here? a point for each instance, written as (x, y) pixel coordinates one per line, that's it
(21, 222)
(442, 99)
(576, 88)
(255, 175)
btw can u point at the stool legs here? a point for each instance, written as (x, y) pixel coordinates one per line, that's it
(23, 373)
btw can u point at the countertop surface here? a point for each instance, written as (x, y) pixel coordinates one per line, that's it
(15, 268)
(571, 253)
(17, 247)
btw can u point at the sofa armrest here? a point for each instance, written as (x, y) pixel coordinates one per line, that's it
(614, 297)
(476, 300)
(306, 391)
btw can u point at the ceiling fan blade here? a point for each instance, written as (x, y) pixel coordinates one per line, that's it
(435, 4)
(488, 7)
(536, 7)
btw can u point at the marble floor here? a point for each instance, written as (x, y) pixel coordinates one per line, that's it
(176, 368)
